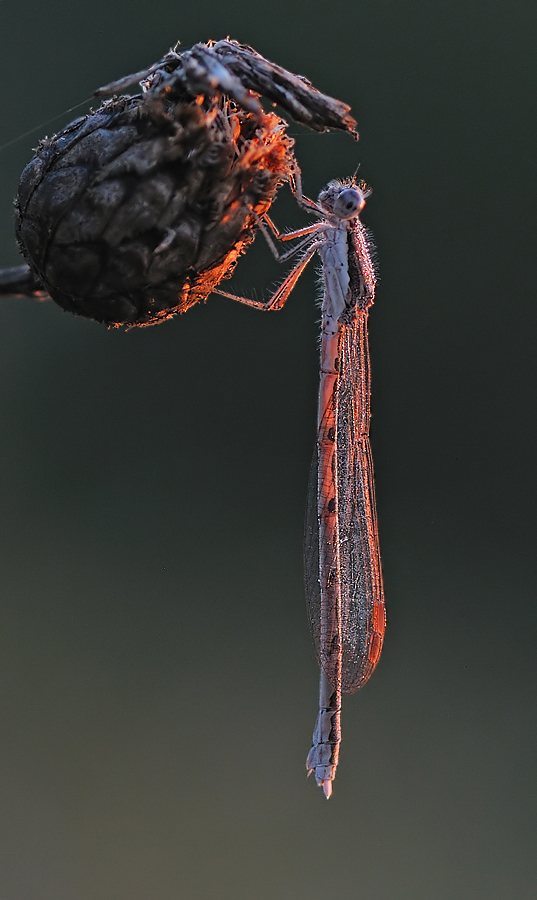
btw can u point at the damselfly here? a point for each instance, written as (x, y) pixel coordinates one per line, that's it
(342, 559)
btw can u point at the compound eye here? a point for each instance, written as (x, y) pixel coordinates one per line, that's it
(349, 203)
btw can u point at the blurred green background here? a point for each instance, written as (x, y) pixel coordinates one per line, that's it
(158, 686)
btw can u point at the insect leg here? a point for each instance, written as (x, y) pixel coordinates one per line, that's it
(282, 292)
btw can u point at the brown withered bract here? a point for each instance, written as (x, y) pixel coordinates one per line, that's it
(138, 210)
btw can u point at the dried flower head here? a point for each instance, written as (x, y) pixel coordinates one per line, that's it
(138, 210)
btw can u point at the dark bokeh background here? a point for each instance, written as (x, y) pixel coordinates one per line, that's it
(158, 687)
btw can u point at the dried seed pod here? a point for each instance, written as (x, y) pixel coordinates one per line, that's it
(138, 210)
